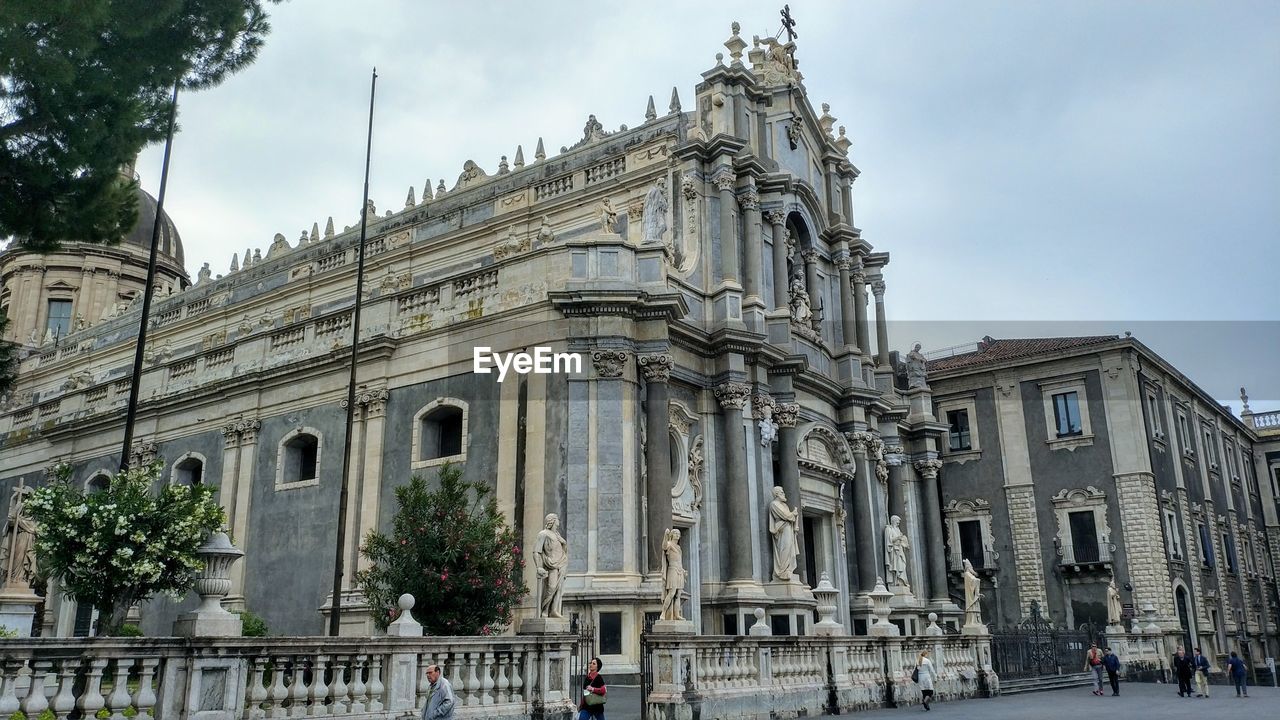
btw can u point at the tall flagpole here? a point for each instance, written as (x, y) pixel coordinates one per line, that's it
(132, 413)
(339, 555)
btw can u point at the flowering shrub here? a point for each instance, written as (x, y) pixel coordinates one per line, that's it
(125, 544)
(452, 550)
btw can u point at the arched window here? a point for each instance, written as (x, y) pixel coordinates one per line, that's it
(97, 482)
(298, 460)
(440, 433)
(188, 470)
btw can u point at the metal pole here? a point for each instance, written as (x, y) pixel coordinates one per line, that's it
(132, 413)
(336, 603)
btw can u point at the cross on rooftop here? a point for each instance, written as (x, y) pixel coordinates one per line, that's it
(788, 23)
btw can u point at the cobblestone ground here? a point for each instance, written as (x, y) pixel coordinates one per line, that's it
(1137, 701)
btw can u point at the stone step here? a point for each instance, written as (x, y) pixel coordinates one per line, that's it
(1045, 682)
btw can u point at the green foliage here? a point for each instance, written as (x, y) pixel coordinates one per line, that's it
(8, 633)
(125, 544)
(252, 624)
(84, 86)
(8, 358)
(128, 630)
(452, 550)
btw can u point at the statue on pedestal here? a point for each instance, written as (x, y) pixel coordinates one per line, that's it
(1115, 608)
(608, 217)
(655, 212)
(550, 558)
(673, 575)
(972, 594)
(895, 553)
(18, 553)
(917, 377)
(783, 522)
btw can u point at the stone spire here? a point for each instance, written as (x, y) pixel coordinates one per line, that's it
(649, 113)
(426, 192)
(315, 232)
(519, 163)
(328, 228)
(248, 258)
(675, 101)
(409, 200)
(539, 154)
(235, 262)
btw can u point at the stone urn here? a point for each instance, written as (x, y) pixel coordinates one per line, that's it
(213, 584)
(827, 596)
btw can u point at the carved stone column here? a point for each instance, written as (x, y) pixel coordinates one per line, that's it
(247, 430)
(811, 279)
(897, 480)
(373, 402)
(848, 323)
(864, 519)
(778, 220)
(787, 416)
(725, 182)
(859, 279)
(753, 282)
(733, 481)
(657, 455)
(882, 326)
(938, 594)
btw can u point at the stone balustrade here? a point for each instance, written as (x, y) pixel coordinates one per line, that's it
(247, 678)
(762, 677)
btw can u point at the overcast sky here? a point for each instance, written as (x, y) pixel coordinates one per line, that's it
(1115, 162)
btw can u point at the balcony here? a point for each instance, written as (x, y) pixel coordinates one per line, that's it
(1086, 552)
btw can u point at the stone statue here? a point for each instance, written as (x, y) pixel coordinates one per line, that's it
(916, 374)
(278, 245)
(608, 217)
(972, 594)
(1115, 609)
(34, 338)
(800, 310)
(204, 274)
(895, 553)
(544, 231)
(551, 558)
(655, 212)
(80, 322)
(18, 554)
(783, 523)
(673, 575)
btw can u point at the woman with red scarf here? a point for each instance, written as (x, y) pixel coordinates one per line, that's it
(591, 706)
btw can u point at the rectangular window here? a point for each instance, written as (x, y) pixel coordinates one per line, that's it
(1206, 545)
(1184, 438)
(610, 633)
(1066, 413)
(1248, 556)
(59, 322)
(970, 532)
(1209, 455)
(1229, 547)
(1084, 536)
(1153, 408)
(959, 434)
(1171, 534)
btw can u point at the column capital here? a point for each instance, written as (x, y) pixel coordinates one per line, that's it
(230, 436)
(776, 217)
(787, 414)
(845, 263)
(893, 455)
(763, 406)
(373, 399)
(749, 200)
(929, 468)
(810, 255)
(608, 363)
(724, 180)
(732, 395)
(248, 430)
(656, 367)
(877, 288)
(858, 277)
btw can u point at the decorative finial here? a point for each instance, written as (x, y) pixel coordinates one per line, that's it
(649, 113)
(1244, 398)
(426, 191)
(519, 163)
(788, 24)
(248, 258)
(257, 255)
(315, 232)
(328, 228)
(735, 44)
(409, 200)
(719, 58)
(235, 262)
(674, 107)
(503, 167)
(440, 191)
(539, 154)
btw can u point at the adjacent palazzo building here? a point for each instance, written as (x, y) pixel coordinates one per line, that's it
(1072, 461)
(704, 265)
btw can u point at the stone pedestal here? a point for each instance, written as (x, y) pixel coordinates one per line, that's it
(542, 626)
(405, 625)
(973, 628)
(354, 619)
(210, 619)
(18, 609)
(674, 627)
(933, 629)
(921, 401)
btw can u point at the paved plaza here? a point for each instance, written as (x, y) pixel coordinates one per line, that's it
(1136, 700)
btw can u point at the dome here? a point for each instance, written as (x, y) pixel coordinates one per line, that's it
(140, 235)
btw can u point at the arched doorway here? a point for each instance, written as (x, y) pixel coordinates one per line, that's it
(1184, 618)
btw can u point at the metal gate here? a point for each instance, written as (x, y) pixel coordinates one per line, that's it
(584, 645)
(647, 668)
(1036, 648)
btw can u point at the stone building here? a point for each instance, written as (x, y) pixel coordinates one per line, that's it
(1072, 461)
(702, 268)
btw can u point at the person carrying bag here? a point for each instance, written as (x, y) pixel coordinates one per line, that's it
(591, 707)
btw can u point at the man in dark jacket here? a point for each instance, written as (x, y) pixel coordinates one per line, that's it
(1111, 662)
(1183, 669)
(1200, 664)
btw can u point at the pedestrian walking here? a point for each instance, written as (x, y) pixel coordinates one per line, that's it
(439, 696)
(924, 677)
(1093, 664)
(1201, 665)
(1111, 662)
(591, 706)
(1183, 670)
(1235, 666)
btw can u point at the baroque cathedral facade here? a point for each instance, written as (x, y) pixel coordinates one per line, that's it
(728, 317)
